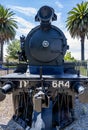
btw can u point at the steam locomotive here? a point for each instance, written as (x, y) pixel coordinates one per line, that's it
(44, 85)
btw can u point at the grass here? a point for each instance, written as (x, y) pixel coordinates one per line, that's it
(83, 70)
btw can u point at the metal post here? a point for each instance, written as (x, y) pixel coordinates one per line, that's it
(87, 68)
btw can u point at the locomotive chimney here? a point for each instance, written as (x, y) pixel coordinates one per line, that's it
(45, 15)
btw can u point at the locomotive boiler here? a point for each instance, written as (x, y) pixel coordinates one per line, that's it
(43, 86)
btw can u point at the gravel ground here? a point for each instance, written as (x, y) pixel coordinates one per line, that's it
(6, 112)
(81, 114)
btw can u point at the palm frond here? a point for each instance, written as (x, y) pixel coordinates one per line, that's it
(77, 20)
(8, 24)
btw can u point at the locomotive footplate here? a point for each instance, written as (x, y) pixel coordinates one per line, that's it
(31, 77)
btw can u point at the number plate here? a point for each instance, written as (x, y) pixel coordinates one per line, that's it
(61, 83)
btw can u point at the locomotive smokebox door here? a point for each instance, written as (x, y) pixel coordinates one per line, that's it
(46, 44)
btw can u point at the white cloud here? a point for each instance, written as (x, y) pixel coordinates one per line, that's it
(24, 26)
(59, 22)
(59, 4)
(29, 11)
(24, 22)
(58, 15)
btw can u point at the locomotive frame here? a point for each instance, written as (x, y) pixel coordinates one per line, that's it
(25, 92)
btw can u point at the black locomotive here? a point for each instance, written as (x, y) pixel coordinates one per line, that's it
(44, 86)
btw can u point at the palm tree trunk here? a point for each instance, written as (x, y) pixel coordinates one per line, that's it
(82, 48)
(1, 51)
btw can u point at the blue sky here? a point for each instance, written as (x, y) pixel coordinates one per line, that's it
(25, 11)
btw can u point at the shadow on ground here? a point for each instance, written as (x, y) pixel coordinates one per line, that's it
(11, 125)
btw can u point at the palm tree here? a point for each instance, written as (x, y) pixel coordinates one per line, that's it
(77, 24)
(8, 27)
